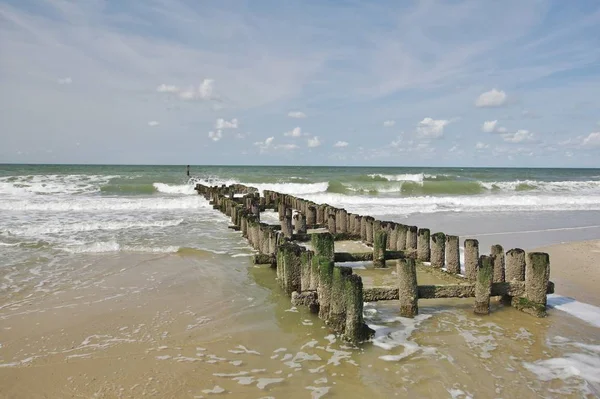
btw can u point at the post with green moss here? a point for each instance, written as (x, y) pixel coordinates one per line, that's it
(452, 254)
(363, 228)
(356, 329)
(265, 241)
(471, 258)
(537, 274)
(289, 258)
(325, 285)
(306, 270)
(407, 287)
(286, 224)
(323, 245)
(438, 250)
(337, 312)
(423, 248)
(379, 251)
(483, 284)
(498, 253)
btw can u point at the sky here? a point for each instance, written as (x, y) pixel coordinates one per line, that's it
(390, 83)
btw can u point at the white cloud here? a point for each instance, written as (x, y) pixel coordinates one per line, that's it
(592, 140)
(314, 142)
(268, 145)
(501, 129)
(153, 123)
(296, 114)
(518, 137)
(489, 126)
(389, 123)
(163, 88)
(431, 128)
(492, 98)
(287, 146)
(481, 146)
(223, 124)
(204, 91)
(341, 144)
(215, 136)
(295, 132)
(65, 81)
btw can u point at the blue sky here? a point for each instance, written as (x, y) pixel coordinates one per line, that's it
(406, 83)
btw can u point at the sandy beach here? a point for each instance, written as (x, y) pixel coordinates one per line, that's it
(575, 269)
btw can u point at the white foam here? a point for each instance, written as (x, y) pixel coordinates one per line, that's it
(417, 177)
(292, 188)
(177, 189)
(55, 228)
(586, 312)
(112, 246)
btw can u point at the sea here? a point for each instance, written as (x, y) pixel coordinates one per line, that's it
(121, 281)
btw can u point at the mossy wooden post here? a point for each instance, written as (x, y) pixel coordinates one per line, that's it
(300, 223)
(401, 241)
(286, 224)
(323, 245)
(306, 270)
(453, 254)
(379, 251)
(407, 287)
(255, 209)
(272, 241)
(537, 274)
(438, 250)
(498, 253)
(265, 241)
(369, 221)
(337, 311)
(393, 237)
(244, 224)
(483, 284)
(471, 258)
(356, 329)
(311, 216)
(291, 270)
(376, 227)
(331, 224)
(423, 245)
(325, 284)
(411, 238)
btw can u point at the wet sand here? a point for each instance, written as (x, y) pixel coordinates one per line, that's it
(204, 325)
(575, 269)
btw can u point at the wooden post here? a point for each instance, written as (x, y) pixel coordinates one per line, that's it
(401, 242)
(379, 250)
(423, 249)
(498, 253)
(411, 238)
(393, 237)
(407, 287)
(537, 274)
(438, 250)
(483, 285)
(452, 254)
(356, 329)
(337, 312)
(331, 224)
(325, 284)
(471, 258)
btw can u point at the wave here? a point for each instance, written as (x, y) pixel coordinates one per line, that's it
(112, 246)
(91, 226)
(417, 177)
(175, 189)
(29, 185)
(82, 204)
(127, 188)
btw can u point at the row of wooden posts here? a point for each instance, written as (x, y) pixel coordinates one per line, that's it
(312, 278)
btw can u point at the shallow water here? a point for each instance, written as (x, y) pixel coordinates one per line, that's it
(126, 292)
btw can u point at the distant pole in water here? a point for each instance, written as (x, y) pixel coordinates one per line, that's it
(188, 170)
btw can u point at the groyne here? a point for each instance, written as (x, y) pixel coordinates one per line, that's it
(317, 279)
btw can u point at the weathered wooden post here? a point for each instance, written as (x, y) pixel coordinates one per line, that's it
(337, 312)
(393, 237)
(325, 284)
(411, 238)
(323, 245)
(452, 254)
(438, 250)
(356, 329)
(483, 284)
(331, 225)
(407, 287)
(379, 251)
(498, 253)
(401, 242)
(363, 228)
(471, 258)
(286, 224)
(537, 274)
(423, 249)
(288, 259)
(369, 222)
(306, 271)
(311, 216)
(342, 225)
(300, 223)
(321, 214)
(515, 265)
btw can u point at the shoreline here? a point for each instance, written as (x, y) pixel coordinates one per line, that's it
(575, 269)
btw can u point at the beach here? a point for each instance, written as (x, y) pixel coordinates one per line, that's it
(123, 282)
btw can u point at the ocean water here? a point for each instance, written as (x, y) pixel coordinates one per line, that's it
(126, 283)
